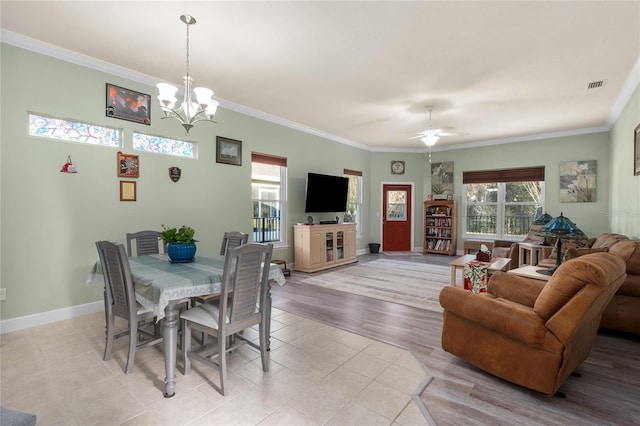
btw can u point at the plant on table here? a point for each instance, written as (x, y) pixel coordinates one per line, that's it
(181, 246)
(183, 235)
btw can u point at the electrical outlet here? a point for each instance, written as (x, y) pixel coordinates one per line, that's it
(3, 294)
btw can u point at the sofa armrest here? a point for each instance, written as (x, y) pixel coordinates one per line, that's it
(515, 288)
(511, 319)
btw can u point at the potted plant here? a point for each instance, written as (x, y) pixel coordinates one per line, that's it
(181, 246)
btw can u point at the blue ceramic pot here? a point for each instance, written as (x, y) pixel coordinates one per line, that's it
(181, 252)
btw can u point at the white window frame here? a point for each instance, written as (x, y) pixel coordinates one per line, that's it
(500, 212)
(358, 203)
(283, 205)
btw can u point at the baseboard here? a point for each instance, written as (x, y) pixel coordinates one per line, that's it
(42, 318)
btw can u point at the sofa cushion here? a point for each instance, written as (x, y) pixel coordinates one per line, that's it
(608, 240)
(629, 252)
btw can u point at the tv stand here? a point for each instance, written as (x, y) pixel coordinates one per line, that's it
(324, 246)
(329, 222)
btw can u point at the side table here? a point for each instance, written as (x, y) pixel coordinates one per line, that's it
(529, 253)
(529, 272)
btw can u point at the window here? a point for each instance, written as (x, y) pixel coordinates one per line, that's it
(500, 203)
(354, 199)
(73, 131)
(162, 145)
(268, 195)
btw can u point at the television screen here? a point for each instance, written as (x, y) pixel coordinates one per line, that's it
(326, 194)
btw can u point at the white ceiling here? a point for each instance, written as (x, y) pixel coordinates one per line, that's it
(364, 72)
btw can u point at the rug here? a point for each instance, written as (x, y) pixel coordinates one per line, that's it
(404, 282)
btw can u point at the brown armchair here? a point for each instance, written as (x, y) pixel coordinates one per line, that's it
(528, 332)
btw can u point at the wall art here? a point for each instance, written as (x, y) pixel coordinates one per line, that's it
(128, 190)
(442, 180)
(228, 151)
(127, 104)
(578, 181)
(128, 165)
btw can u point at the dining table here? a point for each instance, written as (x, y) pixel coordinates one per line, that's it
(162, 285)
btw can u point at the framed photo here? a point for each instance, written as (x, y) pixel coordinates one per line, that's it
(128, 165)
(127, 190)
(127, 104)
(636, 151)
(228, 151)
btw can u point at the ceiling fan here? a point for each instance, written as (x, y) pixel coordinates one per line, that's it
(430, 136)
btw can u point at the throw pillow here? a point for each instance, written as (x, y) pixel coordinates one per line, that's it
(575, 252)
(569, 244)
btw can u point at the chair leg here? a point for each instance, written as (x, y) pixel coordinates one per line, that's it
(222, 362)
(109, 337)
(264, 355)
(186, 346)
(133, 342)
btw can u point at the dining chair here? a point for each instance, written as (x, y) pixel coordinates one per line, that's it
(246, 273)
(231, 239)
(146, 242)
(120, 301)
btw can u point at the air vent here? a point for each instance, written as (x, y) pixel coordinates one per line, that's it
(596, 84)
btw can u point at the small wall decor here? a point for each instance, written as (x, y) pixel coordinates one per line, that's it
(175, 173)
(128, 190)
(228, 151)
(128, 165)
(397, 167)
(128, 104)
(442, 179)
(636, 151)
(68, 167)
(578, 181)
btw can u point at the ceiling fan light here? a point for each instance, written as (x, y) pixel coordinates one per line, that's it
(430, 140)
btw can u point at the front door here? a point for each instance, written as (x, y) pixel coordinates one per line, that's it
(396, 220)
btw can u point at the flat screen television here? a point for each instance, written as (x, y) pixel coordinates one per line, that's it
(326, 194)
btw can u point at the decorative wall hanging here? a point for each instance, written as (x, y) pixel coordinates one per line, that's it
(228, 151)
(636, 151)
(128, 104)
(175, 173)
(68, 167)
(397, 167)
(128, 190)
(442, 180)
(128, 165)
(578, 181)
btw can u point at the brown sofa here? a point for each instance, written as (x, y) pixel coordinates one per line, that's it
(528, 332)
(623, 312)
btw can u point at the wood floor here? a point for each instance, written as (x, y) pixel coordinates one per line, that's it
(608, 393)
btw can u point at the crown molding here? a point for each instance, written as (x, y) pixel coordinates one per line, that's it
(57, 52)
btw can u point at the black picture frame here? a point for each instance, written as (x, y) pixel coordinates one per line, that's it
(228, 151)
(127, 104)
(636, 151)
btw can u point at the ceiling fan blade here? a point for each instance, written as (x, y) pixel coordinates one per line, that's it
(451, 134)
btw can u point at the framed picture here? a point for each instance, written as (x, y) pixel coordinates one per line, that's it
(228, 151)
(578, 181)
(128, 165)
(636, 151)
(128, 104)
(127, 190)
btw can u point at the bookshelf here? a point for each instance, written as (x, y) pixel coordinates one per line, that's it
(440, 227)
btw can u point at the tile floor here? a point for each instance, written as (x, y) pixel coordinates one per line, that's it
(319, 375)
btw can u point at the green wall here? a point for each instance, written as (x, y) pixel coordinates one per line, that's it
(50, 220)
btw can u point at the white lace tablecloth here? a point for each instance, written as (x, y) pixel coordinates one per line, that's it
(158, 281)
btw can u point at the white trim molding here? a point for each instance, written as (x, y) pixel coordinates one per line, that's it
(43, 318)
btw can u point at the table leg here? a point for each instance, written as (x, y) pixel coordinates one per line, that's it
(170, 337)
(268, 316)
(453, 276)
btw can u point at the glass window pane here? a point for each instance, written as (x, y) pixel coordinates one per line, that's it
(518, 219)
(482, 193)
(73, 131)
(396, 212)
(162, 145)
(523, 192)
(396, 197)
(482, 219)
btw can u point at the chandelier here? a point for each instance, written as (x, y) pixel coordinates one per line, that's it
(189, 112)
